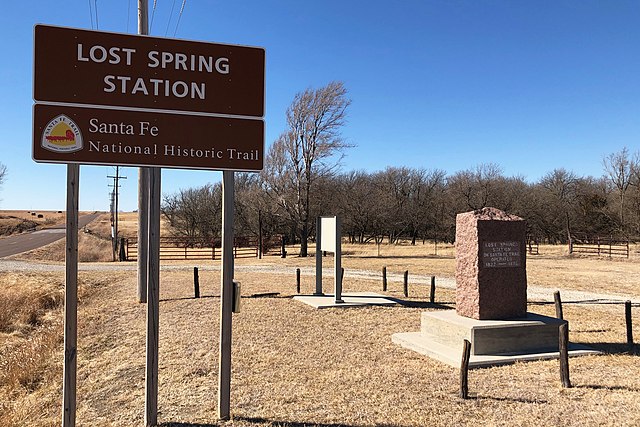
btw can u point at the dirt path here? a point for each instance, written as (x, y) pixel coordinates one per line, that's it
(535, 293)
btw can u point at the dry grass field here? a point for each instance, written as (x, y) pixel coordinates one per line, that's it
(12, 222)
(295, 366)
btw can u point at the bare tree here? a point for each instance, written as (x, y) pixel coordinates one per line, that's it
(3, 174)
(560, 185)
(476, 189)
(306, 151)
(620, 169)
(195, 213)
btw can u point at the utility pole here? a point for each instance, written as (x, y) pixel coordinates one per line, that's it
(114, 210)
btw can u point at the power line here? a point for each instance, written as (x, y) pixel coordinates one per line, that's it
(170, 15)
(91, 14)
(95, 6)
(179, 16)
(128, 13)
(153, 12)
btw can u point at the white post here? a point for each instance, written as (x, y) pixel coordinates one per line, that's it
(71, 300)
(153, 300)
(318, 257)
(226, 297)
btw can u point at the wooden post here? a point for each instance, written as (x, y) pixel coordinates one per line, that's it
(260, 248)
(143, 187)
(627, 248)
(283, 253)
(563, 345)
(558, 302)
(71, 300)
(627, 316)
(384, 278)
(122, 254)
(297, 280)
(226, 297)
(196, 283)
(406, 283)
(464, 370)
(153, 299)
(432, 294)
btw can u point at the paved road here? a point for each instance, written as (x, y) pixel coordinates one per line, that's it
(28, 241)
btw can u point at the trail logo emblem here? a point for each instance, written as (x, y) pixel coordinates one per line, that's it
(62, 135)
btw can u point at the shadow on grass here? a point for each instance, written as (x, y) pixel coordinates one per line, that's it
(188, 298)
(508, 399)
(268, 422)
(605, 387)
(586, 301)
(613, 348)
(278, 423)
(422, 304)
(261, 295)
(404, 256)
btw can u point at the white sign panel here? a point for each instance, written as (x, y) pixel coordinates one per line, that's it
(328, 234)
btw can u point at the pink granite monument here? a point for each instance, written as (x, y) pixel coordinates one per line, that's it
(491, 277)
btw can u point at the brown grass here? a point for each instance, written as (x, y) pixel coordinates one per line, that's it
(295, 366)
(48, 217)
(31, 343)
(17, 221)
(91, 248)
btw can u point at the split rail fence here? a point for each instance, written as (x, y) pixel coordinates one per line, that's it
(600, 246)
(185, 248)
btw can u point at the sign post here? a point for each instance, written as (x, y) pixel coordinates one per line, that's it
(226, 297)
(153, 300)
(133, 100)
(71, 300)
(143, 186)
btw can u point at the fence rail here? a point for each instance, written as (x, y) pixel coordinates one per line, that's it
(181, 248)
(600, 246)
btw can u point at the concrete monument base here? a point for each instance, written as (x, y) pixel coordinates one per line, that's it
(355, 299)
(493, 342)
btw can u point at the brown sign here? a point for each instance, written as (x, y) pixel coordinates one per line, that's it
(64, 134)
(98, 68)
(501, 254)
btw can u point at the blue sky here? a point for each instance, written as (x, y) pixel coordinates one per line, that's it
(529, 85)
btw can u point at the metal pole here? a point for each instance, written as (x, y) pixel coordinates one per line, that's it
(153, 301)
(71, 300)
(337, 262)
(143, 186)
(226, 297)
(318, 257)
(115, 223)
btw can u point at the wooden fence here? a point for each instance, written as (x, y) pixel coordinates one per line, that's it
(599, 246)
(181, 248)
(533, 248)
